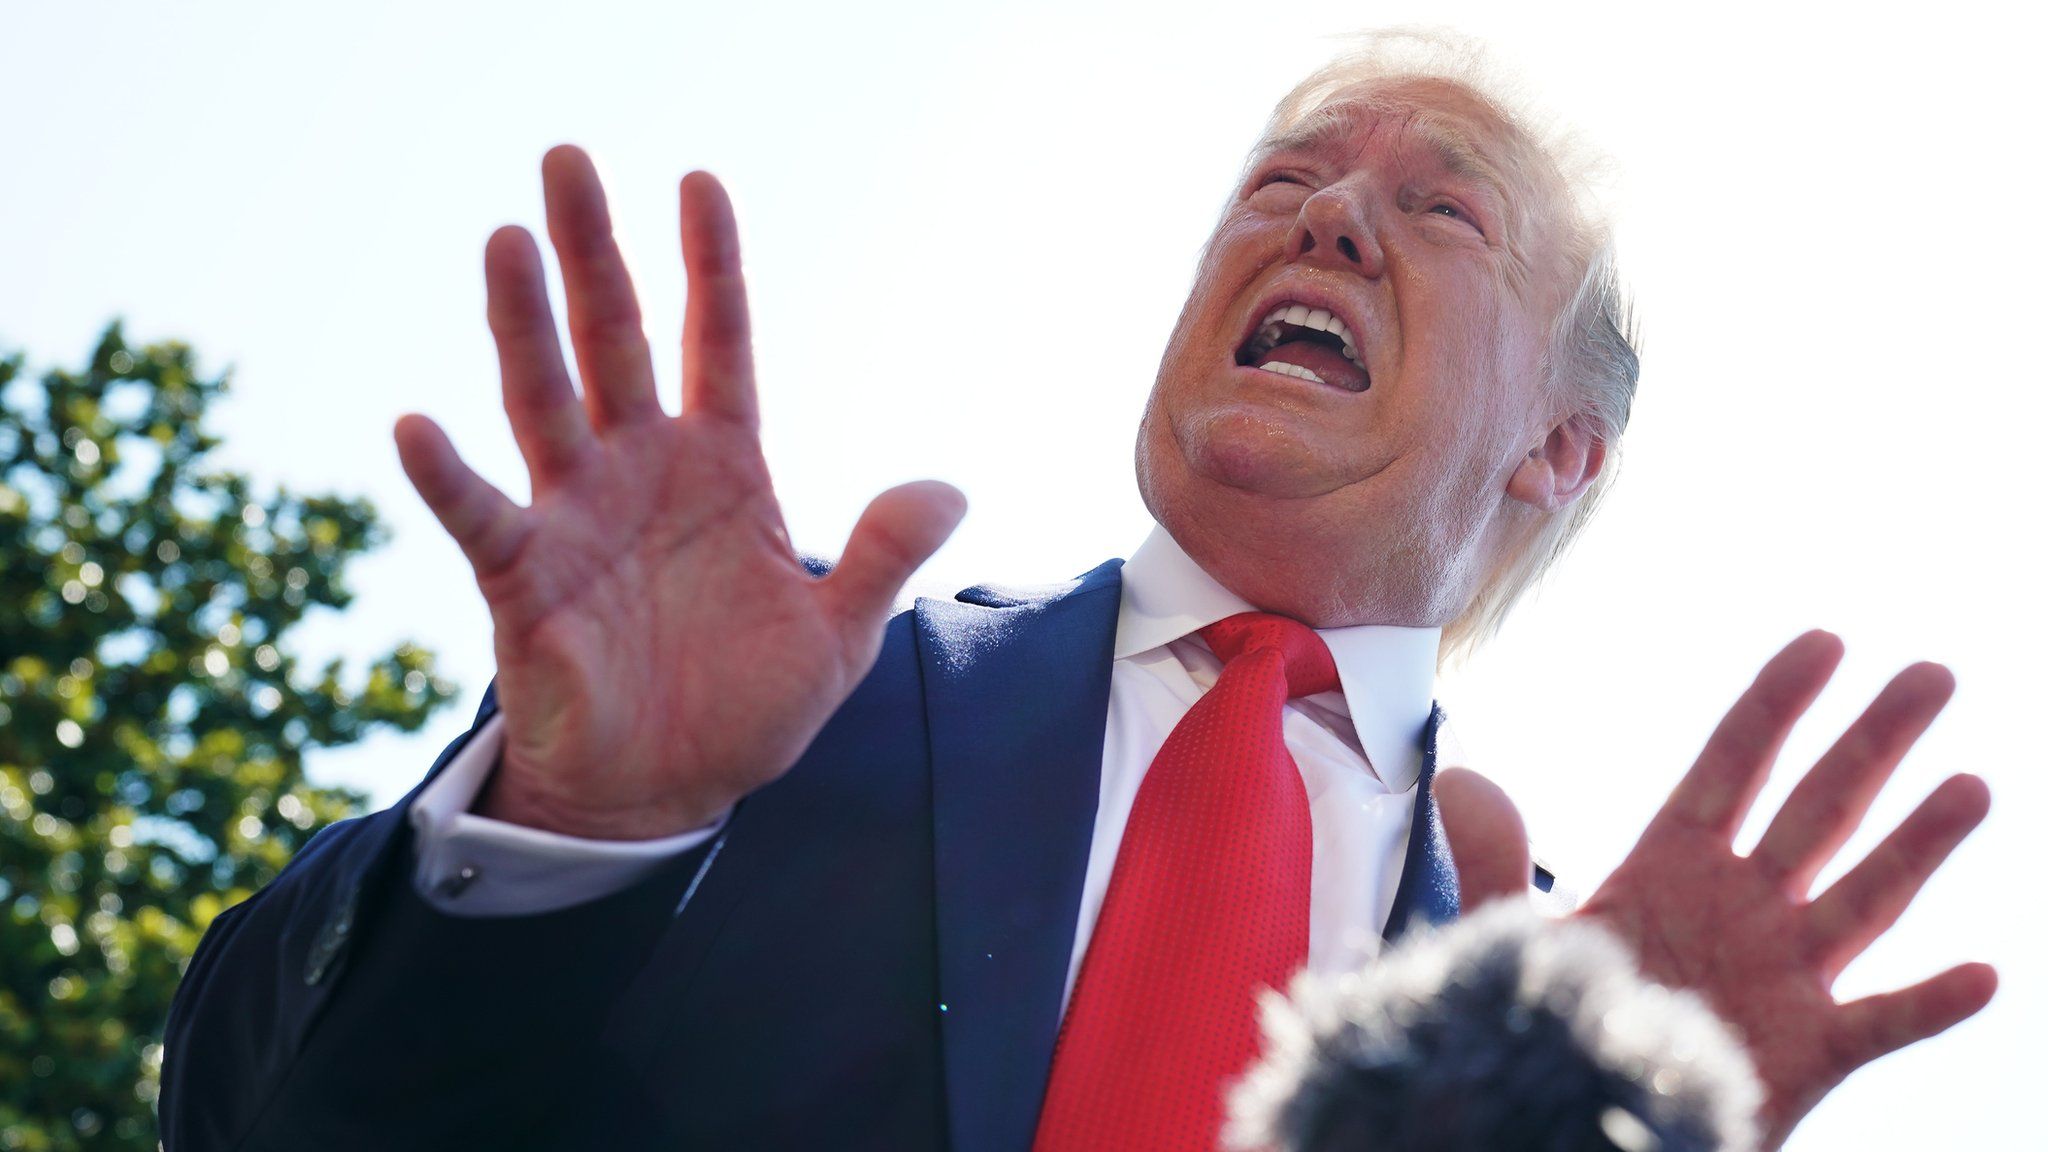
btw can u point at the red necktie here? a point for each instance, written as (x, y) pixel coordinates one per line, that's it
(1208, 904)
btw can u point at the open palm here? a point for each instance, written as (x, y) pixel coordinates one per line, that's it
(1741, 930)
(661, 649)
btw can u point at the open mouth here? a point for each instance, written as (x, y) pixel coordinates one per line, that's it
(1308, 344)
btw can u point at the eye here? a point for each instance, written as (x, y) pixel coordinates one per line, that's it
(1279, 177)
(1451, 210)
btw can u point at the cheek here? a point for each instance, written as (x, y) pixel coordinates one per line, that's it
(1240, 246)
(1194, 320)
(1480, 395)
(1497, 371)
(1201, 333)
(1147, 454)
(1209, 294)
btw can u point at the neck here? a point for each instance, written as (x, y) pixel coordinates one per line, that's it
(1284, 562)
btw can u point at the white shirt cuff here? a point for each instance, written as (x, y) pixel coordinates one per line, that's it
(471, 865)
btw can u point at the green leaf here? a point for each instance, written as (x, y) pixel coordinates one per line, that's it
(154, 719)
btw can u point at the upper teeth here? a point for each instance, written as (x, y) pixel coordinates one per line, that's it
(1302, 316)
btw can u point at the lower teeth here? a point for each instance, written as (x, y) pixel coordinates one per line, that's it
(1294, 370)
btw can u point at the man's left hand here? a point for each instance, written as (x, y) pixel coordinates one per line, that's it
(1741, 930)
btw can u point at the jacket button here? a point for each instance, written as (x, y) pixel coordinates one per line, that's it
(332, 939)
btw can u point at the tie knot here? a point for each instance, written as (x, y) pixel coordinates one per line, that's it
(1310, 668)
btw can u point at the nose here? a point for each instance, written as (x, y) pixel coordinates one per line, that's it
(1332, 230)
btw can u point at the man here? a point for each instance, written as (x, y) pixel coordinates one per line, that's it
(734, 857)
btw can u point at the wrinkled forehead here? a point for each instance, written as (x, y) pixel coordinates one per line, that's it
(1444, 120)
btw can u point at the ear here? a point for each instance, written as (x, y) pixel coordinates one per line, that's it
(1559, 470)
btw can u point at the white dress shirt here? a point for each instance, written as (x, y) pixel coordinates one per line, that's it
(1359, 751)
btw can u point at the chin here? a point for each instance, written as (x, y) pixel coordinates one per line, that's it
(1256, 450)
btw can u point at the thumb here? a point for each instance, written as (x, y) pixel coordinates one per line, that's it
(1488, 843)
(899, 531)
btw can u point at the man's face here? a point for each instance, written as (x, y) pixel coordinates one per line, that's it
(1356, 374)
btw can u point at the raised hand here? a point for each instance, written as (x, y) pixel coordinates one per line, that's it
(1741, 930)
(661, 650)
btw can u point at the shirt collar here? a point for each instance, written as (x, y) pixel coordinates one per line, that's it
(1388, 673)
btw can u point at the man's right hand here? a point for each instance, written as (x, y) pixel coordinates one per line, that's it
(661, 650)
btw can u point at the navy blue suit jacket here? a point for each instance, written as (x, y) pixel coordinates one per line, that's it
(871, 955)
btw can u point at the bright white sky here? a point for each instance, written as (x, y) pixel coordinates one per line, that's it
(968, 233)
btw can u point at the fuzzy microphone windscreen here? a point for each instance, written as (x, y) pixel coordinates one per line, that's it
(1502, 1032)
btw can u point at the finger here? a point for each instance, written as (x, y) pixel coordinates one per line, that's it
(718, 352)
(1870, 897)
(485, 525)
(1877, 1025)
(1831, 801)
(1488, 842)
(899, 531)
(1722, 784)
(549, 424)
(604, 316)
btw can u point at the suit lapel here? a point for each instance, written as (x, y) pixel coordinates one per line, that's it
(1428, 892)
(1016, 698)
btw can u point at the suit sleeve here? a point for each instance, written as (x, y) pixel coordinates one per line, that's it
(337, 996)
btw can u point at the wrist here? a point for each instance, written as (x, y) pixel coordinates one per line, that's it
(522, 797)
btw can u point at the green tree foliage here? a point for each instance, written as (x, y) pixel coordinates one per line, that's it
(153, 719)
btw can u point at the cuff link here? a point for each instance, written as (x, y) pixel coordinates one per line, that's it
(457, 884)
